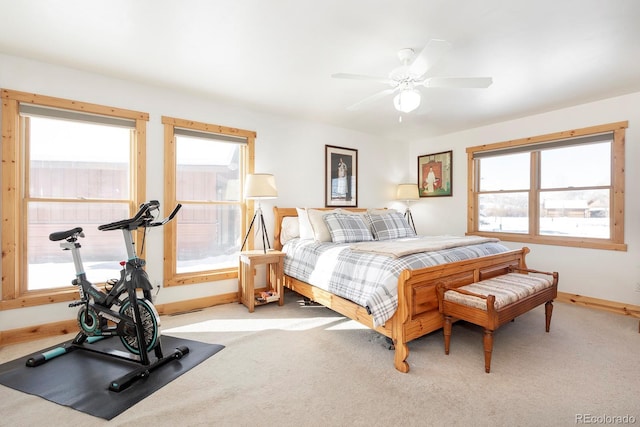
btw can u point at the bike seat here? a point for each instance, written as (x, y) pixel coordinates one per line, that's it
(61, 235)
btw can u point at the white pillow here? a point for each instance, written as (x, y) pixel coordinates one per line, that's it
(306, 231)
(320, 231)
(380, 211)
(290, 229)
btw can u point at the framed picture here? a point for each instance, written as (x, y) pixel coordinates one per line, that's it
(434, 174)
(341, 177)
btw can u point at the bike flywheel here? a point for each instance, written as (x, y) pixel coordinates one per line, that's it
(150, 320)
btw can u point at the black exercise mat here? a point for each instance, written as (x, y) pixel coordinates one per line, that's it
(80, 379)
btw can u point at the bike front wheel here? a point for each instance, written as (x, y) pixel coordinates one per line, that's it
(150, 323)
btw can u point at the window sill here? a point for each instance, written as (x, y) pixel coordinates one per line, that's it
(575, 242)
(202, 277)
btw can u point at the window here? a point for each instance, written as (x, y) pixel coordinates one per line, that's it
(565, 188)
(205, 166)
(66, 164)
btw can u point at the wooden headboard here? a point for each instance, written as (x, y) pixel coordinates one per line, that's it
(280, 213)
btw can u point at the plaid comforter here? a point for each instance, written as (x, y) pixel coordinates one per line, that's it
(367, 279)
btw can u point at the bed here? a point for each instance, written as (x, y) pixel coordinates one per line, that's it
(403, 310)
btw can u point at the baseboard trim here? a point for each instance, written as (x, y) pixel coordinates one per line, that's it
(600, 304)
(31, 333)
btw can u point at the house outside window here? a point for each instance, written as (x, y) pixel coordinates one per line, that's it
(565, 188)
(205, 166)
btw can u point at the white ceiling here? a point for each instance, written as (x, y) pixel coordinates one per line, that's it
(278, 55)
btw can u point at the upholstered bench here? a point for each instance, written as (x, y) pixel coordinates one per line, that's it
(493, 302)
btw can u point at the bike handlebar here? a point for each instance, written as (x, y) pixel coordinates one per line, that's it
(167, 219)
(143, 218)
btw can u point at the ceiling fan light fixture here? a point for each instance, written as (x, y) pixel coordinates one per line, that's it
(407, 100)
(412, 74)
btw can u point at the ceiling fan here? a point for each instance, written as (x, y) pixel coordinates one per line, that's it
(406, 80)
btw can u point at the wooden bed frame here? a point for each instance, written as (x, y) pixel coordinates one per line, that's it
(417, 312)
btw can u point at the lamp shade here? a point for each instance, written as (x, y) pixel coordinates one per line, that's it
(260, 186)
(408, 192)
(407, 100)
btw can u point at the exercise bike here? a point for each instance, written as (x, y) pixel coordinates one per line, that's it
(117, 311)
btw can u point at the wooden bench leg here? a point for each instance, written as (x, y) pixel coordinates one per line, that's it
(548, 311)
(447, 333)
(488, 348)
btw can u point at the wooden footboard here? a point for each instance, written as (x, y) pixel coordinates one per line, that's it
(417, 312)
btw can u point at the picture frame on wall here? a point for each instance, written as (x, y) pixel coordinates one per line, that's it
(435, 174)
(341, 177)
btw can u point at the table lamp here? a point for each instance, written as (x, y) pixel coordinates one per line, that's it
(408, 193)
(259, 186)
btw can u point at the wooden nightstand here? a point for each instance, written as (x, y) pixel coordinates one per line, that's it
(274, 260)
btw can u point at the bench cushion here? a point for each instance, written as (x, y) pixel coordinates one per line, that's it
(507, 289)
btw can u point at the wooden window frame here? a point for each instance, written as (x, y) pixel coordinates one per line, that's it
(171, 277)
(13, 219)
(616, 242)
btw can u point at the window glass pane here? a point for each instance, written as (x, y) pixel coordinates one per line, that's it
(51, 267)
(575, 213)
(207, 170)
(576, 166)
(78, 160)
(208, 237)
(504, 212)
(508, 172)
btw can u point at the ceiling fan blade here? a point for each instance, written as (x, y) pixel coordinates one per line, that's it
(384, 80)
(371, 99)
(427, 58)
(459, 82)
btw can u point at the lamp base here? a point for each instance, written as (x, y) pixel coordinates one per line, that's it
(265, 238)
(409, 217)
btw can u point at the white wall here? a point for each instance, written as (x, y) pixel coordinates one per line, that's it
(609, 275)
(292, 150)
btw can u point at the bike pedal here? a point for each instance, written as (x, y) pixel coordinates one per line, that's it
(76, 303)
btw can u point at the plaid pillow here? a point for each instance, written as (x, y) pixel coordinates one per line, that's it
(392, 225)
(346, 228)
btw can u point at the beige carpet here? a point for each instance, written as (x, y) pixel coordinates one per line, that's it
(308, 366)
